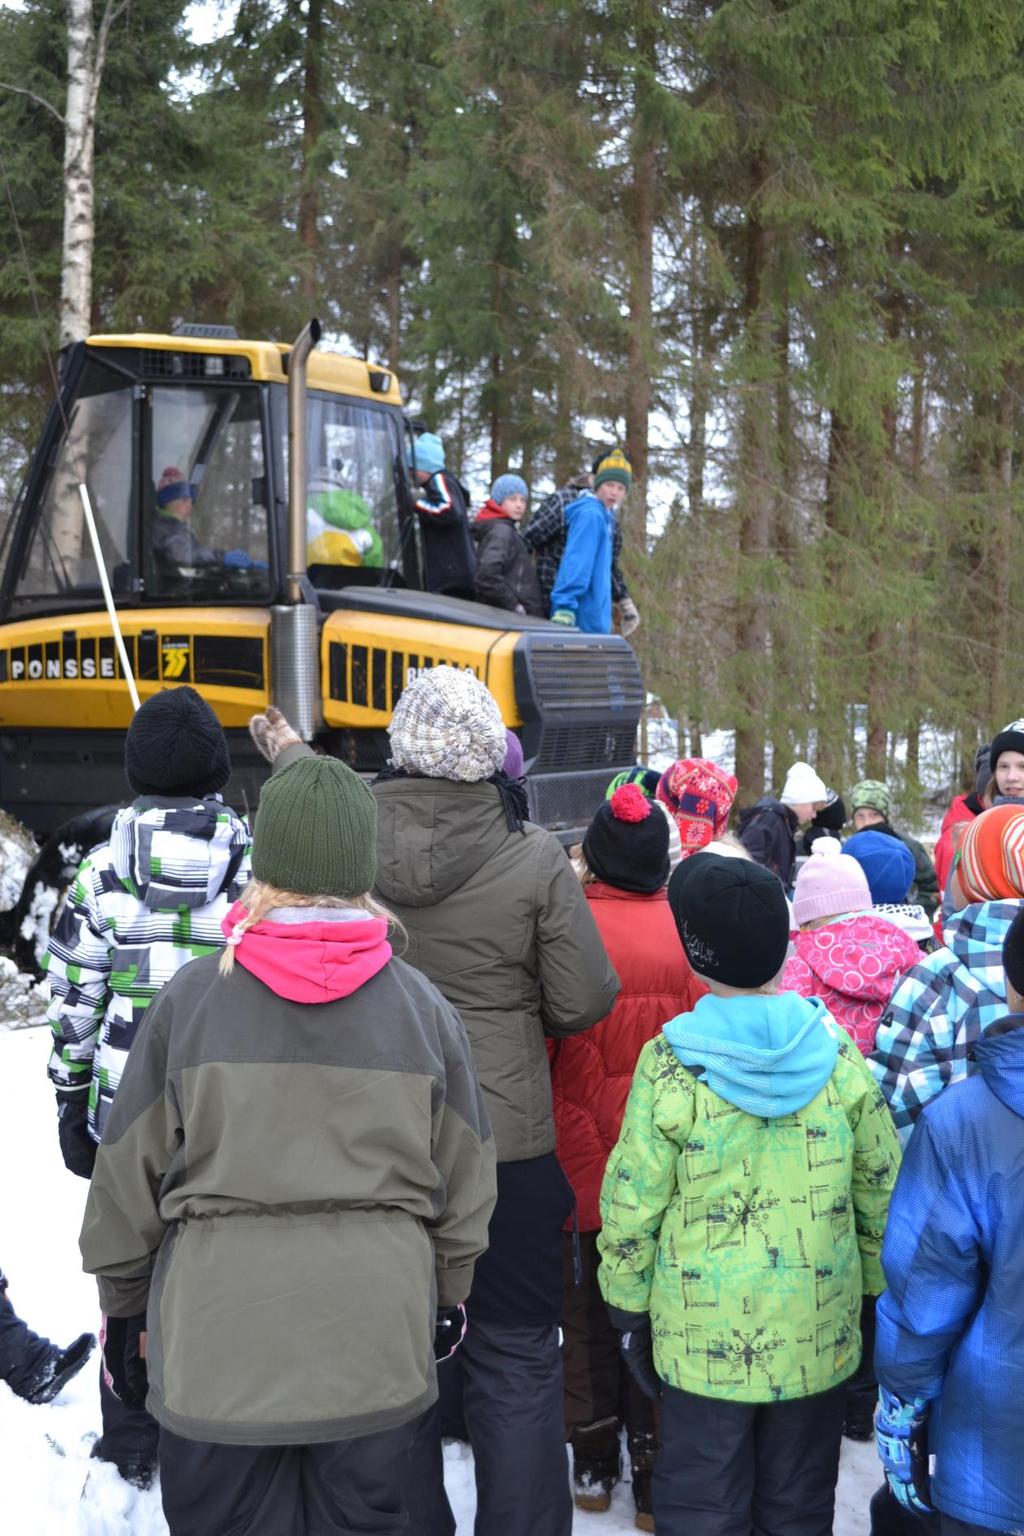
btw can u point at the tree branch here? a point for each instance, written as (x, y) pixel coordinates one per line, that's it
(40, 101)
(112, 12)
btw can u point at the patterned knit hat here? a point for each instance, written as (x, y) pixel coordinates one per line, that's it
(991, 862)
(626, 844)
(699, 795)
(446, 725)
(614, 466)
(316, 830)
(888, 863)
(830, 884)
(870, 795)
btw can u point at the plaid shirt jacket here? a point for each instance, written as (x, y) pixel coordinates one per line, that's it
(545, 536)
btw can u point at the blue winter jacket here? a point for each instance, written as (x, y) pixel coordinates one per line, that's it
(584, 581)
(951, 1324)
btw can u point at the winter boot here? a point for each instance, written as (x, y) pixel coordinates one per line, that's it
(56, 1369)
(596, 1464)
(643, 1448)
(138, 1468)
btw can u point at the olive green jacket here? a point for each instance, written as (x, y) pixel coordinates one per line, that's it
(291, 1189)
(500, 924)
(749, 1240)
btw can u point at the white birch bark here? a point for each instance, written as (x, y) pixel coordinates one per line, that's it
(87, 55)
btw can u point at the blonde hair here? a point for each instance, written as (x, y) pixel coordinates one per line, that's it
(259, 899)
(580, 868)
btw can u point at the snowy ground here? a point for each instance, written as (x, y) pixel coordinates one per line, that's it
(45, 1450)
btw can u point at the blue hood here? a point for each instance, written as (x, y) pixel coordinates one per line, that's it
(999, 1055)
(767, 1055)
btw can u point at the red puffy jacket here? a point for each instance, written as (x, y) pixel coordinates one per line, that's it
(853, 966)
(591, 1073)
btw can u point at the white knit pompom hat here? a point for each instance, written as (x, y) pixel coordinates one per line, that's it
(446, 725)
(803, 786)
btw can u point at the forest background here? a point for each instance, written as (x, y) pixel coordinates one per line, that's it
(774, 246)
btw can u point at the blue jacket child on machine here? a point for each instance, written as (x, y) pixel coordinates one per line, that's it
(582, 594)
(949, 1354)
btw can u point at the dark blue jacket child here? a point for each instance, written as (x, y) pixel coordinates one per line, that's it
(950, 1341)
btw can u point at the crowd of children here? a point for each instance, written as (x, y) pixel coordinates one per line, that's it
(400, 1123)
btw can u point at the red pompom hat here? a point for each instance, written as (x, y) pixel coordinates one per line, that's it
(626, 844)
(699, 796)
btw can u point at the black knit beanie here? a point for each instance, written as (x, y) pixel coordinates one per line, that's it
(626, 844)
(175, 746)
(1010, 739)
(1013, 953)
(832, 815)
(733, 919)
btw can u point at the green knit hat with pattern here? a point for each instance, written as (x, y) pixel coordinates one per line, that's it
(316, 830)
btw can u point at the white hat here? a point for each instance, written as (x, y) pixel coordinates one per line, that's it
(802, 786)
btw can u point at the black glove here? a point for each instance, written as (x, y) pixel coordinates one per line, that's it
(449, 1331)
(120, 1340)
(637, 1345)
(76, 1145)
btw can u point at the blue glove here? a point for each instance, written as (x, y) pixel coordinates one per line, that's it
(241, 560)
(564, 616)
(901, 1434)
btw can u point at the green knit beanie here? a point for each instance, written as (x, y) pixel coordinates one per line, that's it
(316, 830)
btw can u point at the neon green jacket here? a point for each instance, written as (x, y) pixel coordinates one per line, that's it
(750, 1238)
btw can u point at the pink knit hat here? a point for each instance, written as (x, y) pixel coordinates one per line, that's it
(829, 884)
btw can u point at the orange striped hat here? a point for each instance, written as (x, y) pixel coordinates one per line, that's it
(991, 866)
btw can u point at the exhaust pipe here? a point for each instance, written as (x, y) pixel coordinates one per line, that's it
(306, 341)
(295, 626)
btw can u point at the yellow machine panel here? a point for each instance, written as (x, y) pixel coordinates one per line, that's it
(324, 370)
(65, 674)
(369, 658)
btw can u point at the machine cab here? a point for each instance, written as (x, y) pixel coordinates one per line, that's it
(182, 442)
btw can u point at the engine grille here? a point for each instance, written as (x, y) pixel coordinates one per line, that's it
(565, 802)
(580, 698)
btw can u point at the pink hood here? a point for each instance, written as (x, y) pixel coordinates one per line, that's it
(314, 962)
(853, 967)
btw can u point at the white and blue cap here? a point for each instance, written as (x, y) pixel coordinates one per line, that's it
(508, 485)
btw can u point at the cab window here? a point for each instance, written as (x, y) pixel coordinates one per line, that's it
(95, 451)
(205, 519)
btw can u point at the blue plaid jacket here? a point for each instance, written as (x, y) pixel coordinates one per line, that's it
(950, 1329)
(939, 1010)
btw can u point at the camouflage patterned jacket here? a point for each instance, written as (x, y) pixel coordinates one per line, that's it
(143, 904)
(750, 1237)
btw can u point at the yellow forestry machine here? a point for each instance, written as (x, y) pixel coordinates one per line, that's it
(297, 582)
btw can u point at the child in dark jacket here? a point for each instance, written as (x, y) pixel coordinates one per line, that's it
(505, 576)
(950, 1346)
(448, 555)
(743, 1210)
(768, 828)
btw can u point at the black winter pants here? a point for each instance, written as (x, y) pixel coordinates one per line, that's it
(338, 1489)
(130, 1435)
(729, 1469)
(889, 1518)
(507, 1373)
(597, 1384)
(22, 1352)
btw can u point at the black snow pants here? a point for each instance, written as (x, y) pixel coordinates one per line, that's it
(22, 1352)
(597, 1384)
(727, 1468)
(130, 1435)
(335, 1489)
(507, 1374)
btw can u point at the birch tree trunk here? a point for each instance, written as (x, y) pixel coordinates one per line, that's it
(87, 55)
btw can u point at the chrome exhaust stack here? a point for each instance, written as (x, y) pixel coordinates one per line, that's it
(295, 626)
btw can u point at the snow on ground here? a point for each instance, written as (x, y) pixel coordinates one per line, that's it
(45, 1450)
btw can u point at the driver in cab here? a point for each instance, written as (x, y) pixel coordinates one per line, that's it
(173, 536)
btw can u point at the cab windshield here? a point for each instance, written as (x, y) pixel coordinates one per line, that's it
(352, 523)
